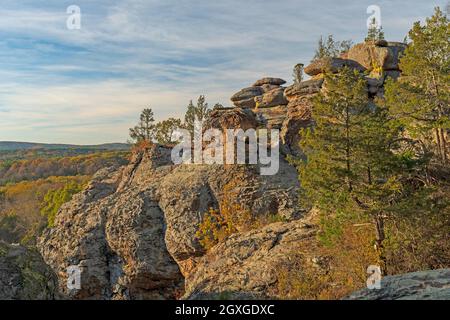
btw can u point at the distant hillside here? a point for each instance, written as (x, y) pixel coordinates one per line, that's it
(14, 145)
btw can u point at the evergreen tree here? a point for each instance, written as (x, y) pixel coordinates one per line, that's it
(420, 99)
(331, 48)
(199, 112)
(165, 129)
(374, 33)
(350, 166)
(145, 130)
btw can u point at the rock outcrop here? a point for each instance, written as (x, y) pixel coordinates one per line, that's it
(332, 65)
(24, 275)
(423, 285)
(246, 265)
(289, 108)
(131, 232)
(372, 55)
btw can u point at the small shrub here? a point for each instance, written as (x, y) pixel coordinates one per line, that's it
(54, 199)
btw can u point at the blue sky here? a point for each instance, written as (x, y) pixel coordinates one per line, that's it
(88, 86)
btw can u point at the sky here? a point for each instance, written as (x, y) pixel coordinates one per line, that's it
(88, 85)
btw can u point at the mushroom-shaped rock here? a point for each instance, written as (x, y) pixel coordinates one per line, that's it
(245, 97)
(268, 80)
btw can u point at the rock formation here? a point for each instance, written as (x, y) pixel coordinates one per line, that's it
(132, 231)
(246, 265)
(422, 285)
(24, 275)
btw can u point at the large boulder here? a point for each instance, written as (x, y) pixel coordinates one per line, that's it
(246, 265)
(268, 80)
(190, 190)
(24, 275)
(372, 56)
(269, 87)
(235, 118)
(272, 98)
(245, 97)
(303, 88)
(333, 65)
(422, 285)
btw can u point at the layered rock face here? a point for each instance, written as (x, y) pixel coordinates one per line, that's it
(24, 275)
(131, 232)
(423, 285)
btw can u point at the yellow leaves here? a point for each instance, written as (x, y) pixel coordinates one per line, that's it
(229, 218)
(329, 272)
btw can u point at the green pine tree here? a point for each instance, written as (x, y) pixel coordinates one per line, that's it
(350, 165)
(374, 33)
(199, 112)
(421, 97)
(165, 129)
(145, 130)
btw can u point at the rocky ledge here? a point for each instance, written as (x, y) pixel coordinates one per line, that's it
(423, 285)
(132, 231)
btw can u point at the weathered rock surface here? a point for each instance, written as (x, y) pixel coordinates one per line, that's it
(372, 56)
(331, 65)
(423, 285)
(298, 117)
(272, 117)
(245, 97)
(132, 231)
(24, 275)
(269, 80)
(246, 265)
(115, 238)
(303, 88)
(271, 98)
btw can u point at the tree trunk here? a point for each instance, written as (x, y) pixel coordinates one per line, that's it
(379, 246)
(444, 144)
(439, 144)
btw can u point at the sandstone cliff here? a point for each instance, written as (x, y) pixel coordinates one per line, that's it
(132, 231)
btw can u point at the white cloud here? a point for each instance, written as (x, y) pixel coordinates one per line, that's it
(89, 85)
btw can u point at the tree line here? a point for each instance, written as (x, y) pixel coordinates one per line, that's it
(161, 132)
